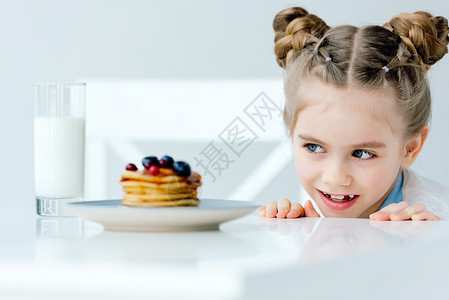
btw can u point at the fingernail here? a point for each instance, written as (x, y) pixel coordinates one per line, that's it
(281, 213)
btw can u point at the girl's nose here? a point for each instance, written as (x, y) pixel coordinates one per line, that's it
(336, 175)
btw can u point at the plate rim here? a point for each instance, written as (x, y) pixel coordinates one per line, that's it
(113, 216)
(108, 205)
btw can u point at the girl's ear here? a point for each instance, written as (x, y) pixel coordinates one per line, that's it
(414, 146)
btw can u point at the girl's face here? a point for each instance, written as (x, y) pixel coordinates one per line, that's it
(348, 148)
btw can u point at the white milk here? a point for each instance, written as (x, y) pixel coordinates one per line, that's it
(59, 157)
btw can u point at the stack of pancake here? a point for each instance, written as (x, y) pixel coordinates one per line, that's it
(164, 189)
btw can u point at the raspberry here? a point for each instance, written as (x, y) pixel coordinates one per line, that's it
(131, 167)
(154, 170)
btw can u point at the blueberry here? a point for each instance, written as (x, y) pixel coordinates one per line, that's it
(166, 162)
(182, 169)
(131, 167)
(149, 161)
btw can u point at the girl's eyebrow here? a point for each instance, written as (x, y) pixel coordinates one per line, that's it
(368, 144)
(311, 139)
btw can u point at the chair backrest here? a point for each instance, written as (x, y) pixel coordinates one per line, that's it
(230, 131)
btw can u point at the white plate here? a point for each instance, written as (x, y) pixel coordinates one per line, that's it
(207, 216)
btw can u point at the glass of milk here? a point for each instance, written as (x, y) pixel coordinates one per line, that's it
(59, 145)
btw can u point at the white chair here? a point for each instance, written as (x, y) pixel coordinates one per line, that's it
(228, 120)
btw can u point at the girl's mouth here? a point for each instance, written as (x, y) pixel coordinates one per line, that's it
(338, 201)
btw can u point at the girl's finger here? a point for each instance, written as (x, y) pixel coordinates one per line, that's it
(384, 213)
(394, 207)
(284, 206)
(310, 210)
(408, 212)
(425, 216)
(379, 216)
(271, 210)
(296, 211)
(262, 211)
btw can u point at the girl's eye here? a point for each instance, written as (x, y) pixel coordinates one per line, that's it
(314, 148)
(362, 154)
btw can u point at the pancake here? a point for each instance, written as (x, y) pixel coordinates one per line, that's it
(155, 197)
(143, 176)
(182, 202)
(144, 191)
(160, 186)
(169, 186)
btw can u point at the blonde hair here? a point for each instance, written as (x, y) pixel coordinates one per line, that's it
(395, 57)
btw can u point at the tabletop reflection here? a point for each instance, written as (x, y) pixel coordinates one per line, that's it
(77, 240)
(333, 238)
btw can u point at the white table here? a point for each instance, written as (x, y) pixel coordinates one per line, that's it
(249, 258)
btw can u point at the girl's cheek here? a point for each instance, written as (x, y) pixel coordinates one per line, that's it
(298, 163)
(379, 180)
(304, 167)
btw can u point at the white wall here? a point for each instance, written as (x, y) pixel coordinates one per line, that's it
(68, 40)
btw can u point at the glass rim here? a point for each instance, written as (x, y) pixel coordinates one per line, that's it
(54, 83)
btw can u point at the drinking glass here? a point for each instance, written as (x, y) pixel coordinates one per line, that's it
(59, 145)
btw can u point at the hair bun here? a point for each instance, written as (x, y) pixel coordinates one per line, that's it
(294, 29)
(425, 35)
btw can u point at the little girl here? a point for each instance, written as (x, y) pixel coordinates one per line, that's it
(357, 108)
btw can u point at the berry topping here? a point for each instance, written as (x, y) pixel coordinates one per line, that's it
(154, 170)
(149, 161)
(131, 167)
(182, 169)
(166, 162)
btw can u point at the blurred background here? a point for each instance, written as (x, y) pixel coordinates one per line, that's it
(138, 59)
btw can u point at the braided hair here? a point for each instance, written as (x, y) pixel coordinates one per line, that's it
(393, 57)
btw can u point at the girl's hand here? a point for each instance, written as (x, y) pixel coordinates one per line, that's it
(402, 211)
(285, 209)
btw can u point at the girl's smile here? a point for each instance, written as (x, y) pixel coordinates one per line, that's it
(338, 202)
(347, 152)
